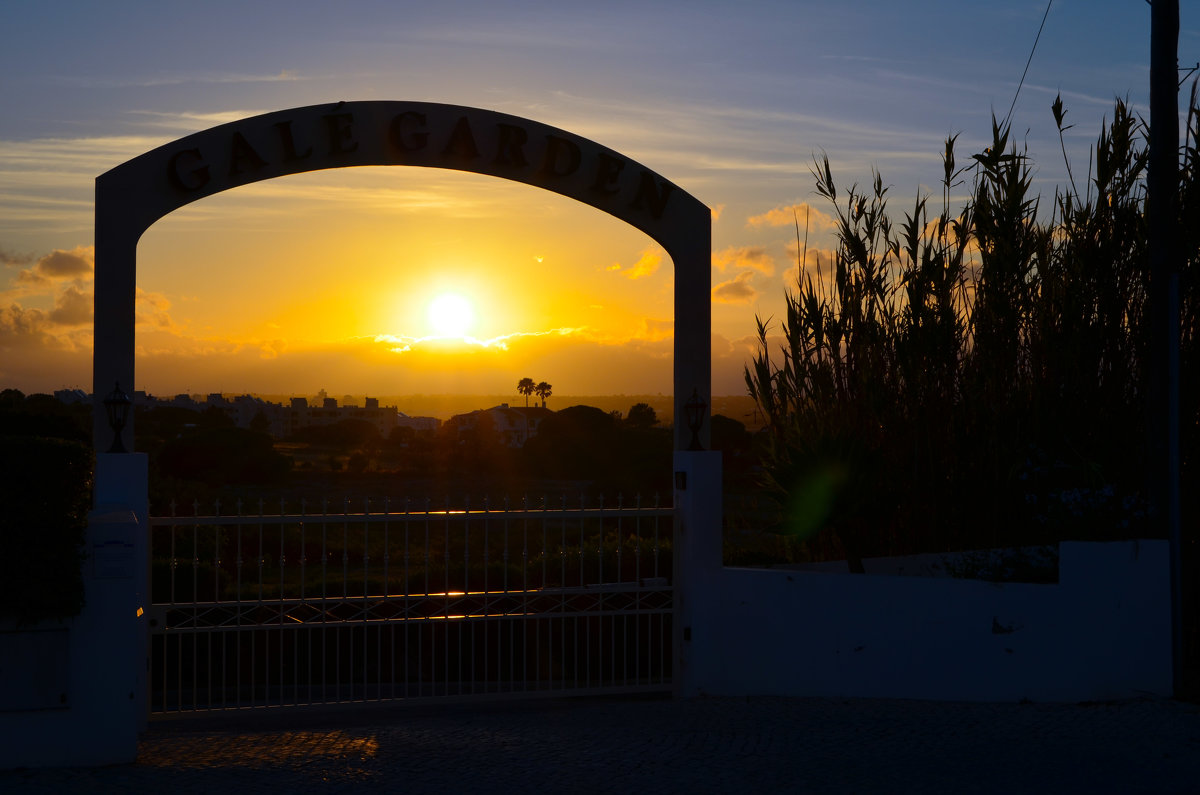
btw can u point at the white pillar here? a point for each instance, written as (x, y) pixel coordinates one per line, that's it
(122, 484)
(697, 549)
(105, 685)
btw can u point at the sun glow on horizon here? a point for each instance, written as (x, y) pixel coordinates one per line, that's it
(451, 315)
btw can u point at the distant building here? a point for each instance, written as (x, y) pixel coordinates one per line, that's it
(513, 426)
(303, 416)
(70, 396)
(247, 411)
(417, 423)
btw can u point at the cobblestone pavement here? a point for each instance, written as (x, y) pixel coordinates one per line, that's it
(626, 745)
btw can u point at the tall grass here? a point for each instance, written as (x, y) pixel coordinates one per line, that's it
(975, 375)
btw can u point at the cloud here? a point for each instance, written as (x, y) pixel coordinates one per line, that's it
(792, 214)
(405, 344)
(656, 330)
(193, 120)
(716, 212)
(16, 321)
(72, 307)
(742, 257)
(737, 290)
(198, 78)
(26, 332)
(9, 258)
(60, 286)
(151, 310)
(59, 265)
(646, 265)
(818, 266)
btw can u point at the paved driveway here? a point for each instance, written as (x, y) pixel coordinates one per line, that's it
(658, 745)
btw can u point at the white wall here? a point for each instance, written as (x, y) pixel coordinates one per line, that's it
(1102, 632)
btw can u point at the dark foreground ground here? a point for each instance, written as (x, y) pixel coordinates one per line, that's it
(626, 745)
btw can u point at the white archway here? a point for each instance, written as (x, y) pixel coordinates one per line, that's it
(132, 196)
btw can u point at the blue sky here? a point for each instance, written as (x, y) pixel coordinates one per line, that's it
(730, 101)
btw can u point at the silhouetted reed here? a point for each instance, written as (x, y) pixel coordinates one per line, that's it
(975, 377)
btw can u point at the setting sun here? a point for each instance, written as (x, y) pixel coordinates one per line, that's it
(451, 315)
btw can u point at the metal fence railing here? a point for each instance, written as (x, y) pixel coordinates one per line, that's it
(407, 601)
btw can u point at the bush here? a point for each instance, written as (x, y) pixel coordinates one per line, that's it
(224, 456)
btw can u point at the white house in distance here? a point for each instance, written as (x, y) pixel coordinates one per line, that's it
(513, 425)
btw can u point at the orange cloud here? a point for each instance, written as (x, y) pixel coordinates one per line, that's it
(742, 257)
(737, 290)
(792, 214)
(657, 330)
(647, 264)
(72, 307)
(151, 309)
(818, 265)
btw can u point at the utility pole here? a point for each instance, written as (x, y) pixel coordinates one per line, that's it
(1163, 398)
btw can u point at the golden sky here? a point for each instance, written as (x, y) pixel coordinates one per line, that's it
(325, 280)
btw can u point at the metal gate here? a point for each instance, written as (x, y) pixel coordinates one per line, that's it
(301, 608)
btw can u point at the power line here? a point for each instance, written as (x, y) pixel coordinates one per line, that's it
(1028, 61)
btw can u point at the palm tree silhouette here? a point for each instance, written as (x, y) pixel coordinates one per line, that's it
(543, 391)
(526, 387)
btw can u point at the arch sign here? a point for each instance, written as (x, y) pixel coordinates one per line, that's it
(132, 196)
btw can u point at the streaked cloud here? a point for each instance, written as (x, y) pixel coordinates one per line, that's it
(192, 120)
(196, 78)
(403, 344)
